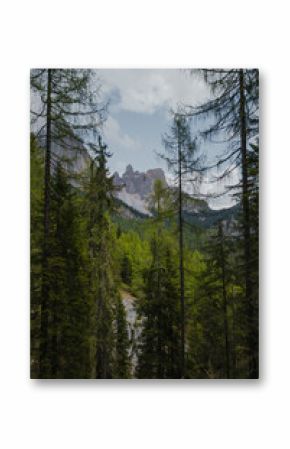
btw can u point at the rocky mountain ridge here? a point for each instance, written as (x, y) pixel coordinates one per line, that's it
(135, 187)
(139, 182)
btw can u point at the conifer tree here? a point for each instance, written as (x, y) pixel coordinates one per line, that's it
(65, 112)
(181, 159)
(36, 238)
(69, 309)
(250, 309)
(210, 339)
(122, 360)
(159, 347)
(103, 271)
(233, 118)
(126, 269)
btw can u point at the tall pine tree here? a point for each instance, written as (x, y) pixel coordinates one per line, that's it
(181, 159)
(232, 115)
(65, 112)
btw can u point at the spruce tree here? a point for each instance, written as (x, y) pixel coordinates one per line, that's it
(36, 239)
(210, 340)
(122, 359)
(65, 112)
(103, 279)
(159, 346)
(232, 116)
(69, 308)
(126, 270)
(181, 159)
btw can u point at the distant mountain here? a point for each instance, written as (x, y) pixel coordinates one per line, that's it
(128, 212)
(141, 183)
(135, 188)
(209, 217)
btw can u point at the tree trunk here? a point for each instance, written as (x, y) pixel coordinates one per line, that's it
(44, 339)
(181, 268)
(225, 302)
(252, 337)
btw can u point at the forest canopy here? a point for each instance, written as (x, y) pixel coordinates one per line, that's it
(154, 284)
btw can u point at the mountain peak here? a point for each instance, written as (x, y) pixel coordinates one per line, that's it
(140, 183)
(137, 186)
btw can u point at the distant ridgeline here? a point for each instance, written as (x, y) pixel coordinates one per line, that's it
(72, 154)
(136, 187)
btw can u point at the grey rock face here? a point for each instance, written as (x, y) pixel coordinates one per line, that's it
(140, 183)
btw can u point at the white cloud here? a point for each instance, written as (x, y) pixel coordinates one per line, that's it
(147, 90)
(116, 136)
(119, 143)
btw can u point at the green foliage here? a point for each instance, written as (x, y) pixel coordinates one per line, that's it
(159, 342)
(209, 336)
(136, 253)
(103, 285)
(36, 228)
(126, 270)
(91, 259)
(87, 335)
(69, 307)
(122, 362)
(87, 247)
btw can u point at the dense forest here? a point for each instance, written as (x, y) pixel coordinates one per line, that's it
(121, 295)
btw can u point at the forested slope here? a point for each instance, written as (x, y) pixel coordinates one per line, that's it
(116, 293)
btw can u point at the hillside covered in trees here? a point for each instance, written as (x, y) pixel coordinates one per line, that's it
(137, 276)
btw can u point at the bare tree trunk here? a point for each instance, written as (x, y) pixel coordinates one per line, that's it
(252, 337)
(44, 339)
(181, 268)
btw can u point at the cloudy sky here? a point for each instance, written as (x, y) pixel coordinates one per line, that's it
(140, 101)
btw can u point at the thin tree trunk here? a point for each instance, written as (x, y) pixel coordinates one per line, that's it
(252, 339)
(44, 339)
(159, 324)
(225, 302)
(103, 369)
(181, 268)
(93, 274)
